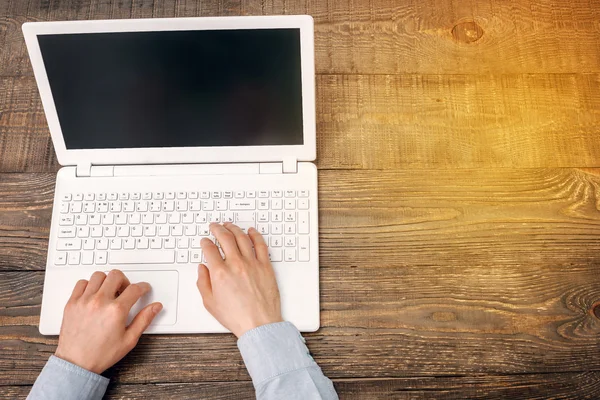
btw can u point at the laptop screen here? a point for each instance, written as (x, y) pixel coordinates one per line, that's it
(176, 88)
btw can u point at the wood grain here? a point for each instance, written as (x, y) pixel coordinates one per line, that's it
(422, 273)
(584, 385)
(374, 36)
(391, 121)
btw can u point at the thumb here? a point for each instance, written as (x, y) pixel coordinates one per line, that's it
(143, 319)
(203, 283)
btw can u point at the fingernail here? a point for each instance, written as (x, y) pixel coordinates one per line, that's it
(144, 285)
(156, 308)
(251, 229)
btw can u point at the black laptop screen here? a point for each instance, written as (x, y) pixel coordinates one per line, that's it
(176, 88)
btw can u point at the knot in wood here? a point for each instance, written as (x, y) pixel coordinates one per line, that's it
(467, 32)
(596, 310)
(443, 316)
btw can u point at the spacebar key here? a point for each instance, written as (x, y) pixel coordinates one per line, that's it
(142, 257)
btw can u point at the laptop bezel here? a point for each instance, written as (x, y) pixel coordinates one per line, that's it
(179, 155)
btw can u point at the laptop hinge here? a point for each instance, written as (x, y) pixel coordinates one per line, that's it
(290, 165)
(83, 170)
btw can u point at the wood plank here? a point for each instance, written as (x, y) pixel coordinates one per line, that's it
(392, 121)
(582, 385)
(374, 36)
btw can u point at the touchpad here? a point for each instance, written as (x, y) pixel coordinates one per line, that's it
(165, 285)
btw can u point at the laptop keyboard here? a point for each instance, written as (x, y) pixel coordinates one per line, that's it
(166, 227)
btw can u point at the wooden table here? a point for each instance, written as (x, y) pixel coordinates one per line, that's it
(458, 146)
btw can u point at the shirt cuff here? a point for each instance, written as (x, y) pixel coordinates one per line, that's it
(273, 349)
(64, 380)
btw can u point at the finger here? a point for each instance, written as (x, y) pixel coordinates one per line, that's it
(115, 281)
(226, 239)
(78, 290)
(133, 293)
(211, 253)
(95, 283)
(244, 243)
(143, 320)
(203, 282)
(260, 247)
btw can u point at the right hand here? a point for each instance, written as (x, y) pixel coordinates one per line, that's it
(240, 290)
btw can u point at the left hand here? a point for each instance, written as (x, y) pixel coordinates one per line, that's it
(94, 333)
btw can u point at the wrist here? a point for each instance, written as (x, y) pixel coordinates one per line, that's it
(255, 324)
(75, 361)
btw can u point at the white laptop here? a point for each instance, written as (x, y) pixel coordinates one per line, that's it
(165, 125)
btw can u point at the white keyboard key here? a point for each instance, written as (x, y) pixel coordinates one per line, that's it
(150, 230)
(251, 194)
(277, 216)
(263, 193)
(303, 204)
(195, 205)
(168, 205)
(68, 244)
(228, 195)
(136, 196)
(303, 193)
(187, 217)
(89, 207)
(290, 204)
(201, 218)
(128, 206)
(263, 204)
(66, 220)
(94, 219)
(96, 231)
(147, 218)
(263, 229)
(156, 243)
(158, 195)
(174, 218)
(277, 204)
(181, 195)
(290, 216)
(129, 243)
(263, 216)
(141, 206)
(170, 195)
(68, 232)
(190, 230)
(221, 205)
(216, 195)
(102, 207)
(170, 243)
(135, 219)
(81, 219)
(142, 257)
(196, 256)
(227, 216)
(242, 205)
(276, 229)
(154, 206)
(115, 206)
(176, 230)
(60, 258)
(208, 205)
(303, 248)
(142, 243)
(64, 208)
(303, 222)
(276, 241)
(203, 230)
(66, 197)
(244, 226)
(108, 219)
(89, 244)
(123, 196)
(83, 231)
(164, 230)
(147, 196)
(244, 216)
(195, 243)
(161, 218)
(193, 195)
(182, 205)
(102, 244)
(290, 228)
(112, 197)
(74, 257)
(290, 193)
(205, 194)
(182, 256)
(123, 231)
(277, 193)
(275, 255)
(183, 243)
(137, 231)
(78, 197)
(101, 258)
(120, 219)
(116, 243)
(290, 255)
(214, 217)
(101, 196)
(239, 194)
(290, 241)
(110, 231)
(87, 258)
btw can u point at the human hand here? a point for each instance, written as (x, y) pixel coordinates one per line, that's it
(94, 334)
(240, 291)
